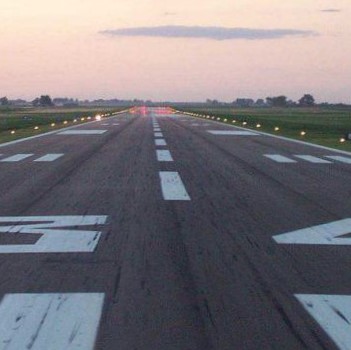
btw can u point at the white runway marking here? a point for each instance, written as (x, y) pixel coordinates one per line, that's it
(56, 234)
(279, 159)
(164, 156)
(326, 234)
(17, 157)
(232, 133)
(160, 142)
(49, 157)
(333, 313)
(195, 124)
(312, 159)
(172, 187)
(82, 132)
(105, 124)
(115, 124)
(50, 321)
(340, 159)
(157, 129)
(158, 134)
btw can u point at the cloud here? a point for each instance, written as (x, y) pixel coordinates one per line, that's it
(331, 10)
(213, 33)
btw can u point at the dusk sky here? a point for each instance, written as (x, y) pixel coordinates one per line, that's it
(176, 50)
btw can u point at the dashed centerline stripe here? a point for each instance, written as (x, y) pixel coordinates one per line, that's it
(49, 157)
(158, 134)
(17, 157)
(160, 142)
(172, 186)
(164, 156)
(50, 321)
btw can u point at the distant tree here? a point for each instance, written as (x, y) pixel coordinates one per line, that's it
(45, 101)
(36, 102)
(306, 100)
(278, 101)
(4, 101)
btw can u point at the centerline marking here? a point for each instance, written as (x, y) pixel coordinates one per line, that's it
(164, 156)
(160, 142)
(172, 186)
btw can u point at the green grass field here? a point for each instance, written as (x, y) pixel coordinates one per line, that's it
(17, 123)
(323, 126)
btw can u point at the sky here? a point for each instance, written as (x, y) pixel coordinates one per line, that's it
(180, 50)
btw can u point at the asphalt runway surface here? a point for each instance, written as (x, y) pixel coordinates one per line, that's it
(162, 231)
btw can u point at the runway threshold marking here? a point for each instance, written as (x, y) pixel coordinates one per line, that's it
(325, 234)
(340, 159)
(333, 313)
(279, 159)
(58, 234)
(82, 132)
(312, 159)
(232, 133)
(164, 156)
(50, 157)
(160, 142)
(172, 186)
(50, 321)
(17, 157)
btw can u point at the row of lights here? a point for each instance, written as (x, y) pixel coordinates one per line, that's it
(65, 122)
(225, 120)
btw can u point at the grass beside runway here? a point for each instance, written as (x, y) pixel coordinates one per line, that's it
(324, 126)
(16, 123)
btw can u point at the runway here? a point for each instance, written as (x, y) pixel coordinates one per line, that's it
(156, 230)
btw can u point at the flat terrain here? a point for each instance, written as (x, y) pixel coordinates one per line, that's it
(323, 125)
(154, 230)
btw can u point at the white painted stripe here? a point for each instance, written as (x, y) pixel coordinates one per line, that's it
(232, 133)
(172, 187)
(17, 157)
(105, 124)
(160, 142)
(312, 159)
(340, 159)
(195, 124)
(82, 132)
(50, 321)
(158, 134)
(164, 156)
(326, 234)
(279, 159)
(157, 129)
(49, 157)
(58, 234)
(115, 124)
(333, 313)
